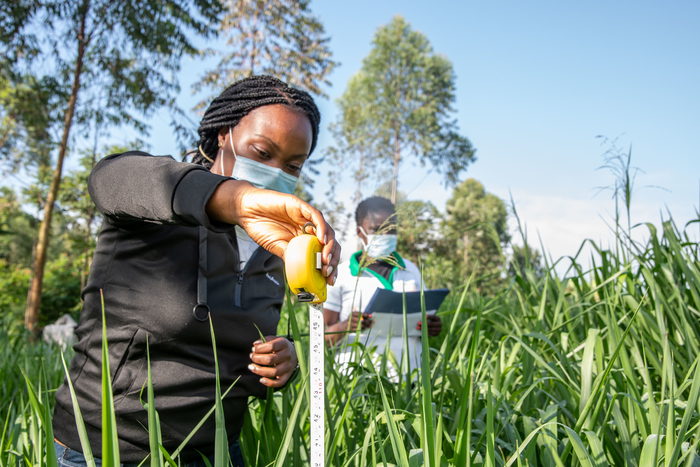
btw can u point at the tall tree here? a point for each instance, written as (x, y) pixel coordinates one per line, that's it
(118, 61)
(475, 231)
(353, 150)
(274, 37)
(409, 90)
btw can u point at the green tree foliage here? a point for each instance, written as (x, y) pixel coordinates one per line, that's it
(275, 37)
(418, 229)
(17, 230)
(407, 91)
(115, 61)
(17, 242)
(354, 139)
(74, 231)
(475, 231)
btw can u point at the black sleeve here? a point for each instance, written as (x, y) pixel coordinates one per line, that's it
(137, 187)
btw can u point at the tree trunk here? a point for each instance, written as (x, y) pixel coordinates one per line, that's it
(395, 181)
(88, 221)
(466, 251)
(358, 193)
(31, 315)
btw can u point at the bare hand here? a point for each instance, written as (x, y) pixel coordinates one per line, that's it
(274, 360)
(272, 219)
(434, 325)
(354, 320)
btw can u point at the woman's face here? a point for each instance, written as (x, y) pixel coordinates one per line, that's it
(273, 135)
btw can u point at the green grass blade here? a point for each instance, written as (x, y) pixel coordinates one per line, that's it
(597, 451)
(490, 436)
(201, 422)
(649, 457)
(110, 438)
(220, 437)
(599, 383)
(396, 443)
(691, 403)
(42, 411)
(154, 437)
(168, 459)
(289, 430)
(428, 439)
(465, 419)
(579, 448)
(80, 424)
(51, 460)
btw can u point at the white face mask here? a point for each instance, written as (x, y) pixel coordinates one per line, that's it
(259, 174)
(379, 246)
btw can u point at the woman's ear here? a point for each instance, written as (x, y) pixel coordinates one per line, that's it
(222, 136)
(360, 235)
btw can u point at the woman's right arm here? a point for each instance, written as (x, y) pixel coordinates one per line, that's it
(136, 186)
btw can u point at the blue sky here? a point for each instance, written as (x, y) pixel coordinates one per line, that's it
(536, 83)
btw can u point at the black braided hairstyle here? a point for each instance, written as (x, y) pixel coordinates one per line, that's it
(373, 204)
(238, 100)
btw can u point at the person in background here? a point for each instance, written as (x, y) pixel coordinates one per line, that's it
(376, 265)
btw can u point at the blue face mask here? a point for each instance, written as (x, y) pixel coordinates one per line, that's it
(260, 175)
(379, 246)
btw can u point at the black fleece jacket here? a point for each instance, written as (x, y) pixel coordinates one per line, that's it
(146, 264)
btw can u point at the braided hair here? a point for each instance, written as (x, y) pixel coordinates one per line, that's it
(242, 97)
(373, 204)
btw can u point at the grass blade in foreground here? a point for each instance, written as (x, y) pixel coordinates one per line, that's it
(289, 431)
(110, 438)
(220, 440)
(428, 441)
(80, 424)
(154, 438)
(43, 413)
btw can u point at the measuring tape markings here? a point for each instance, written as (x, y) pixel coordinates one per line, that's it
(317, 384)
(303, 265)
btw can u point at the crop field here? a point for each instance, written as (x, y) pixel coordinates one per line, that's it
(594, 367)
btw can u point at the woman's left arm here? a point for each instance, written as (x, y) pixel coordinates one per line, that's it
(274, 361)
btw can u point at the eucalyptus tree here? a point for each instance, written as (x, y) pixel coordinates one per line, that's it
(281, 38)
(116, 63)
(410, 91)
(354, 140)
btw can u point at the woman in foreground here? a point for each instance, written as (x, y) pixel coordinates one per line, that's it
(185, 242)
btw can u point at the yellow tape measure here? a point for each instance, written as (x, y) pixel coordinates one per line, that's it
(303, 267)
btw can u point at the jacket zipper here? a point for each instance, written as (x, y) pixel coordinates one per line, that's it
(239, 282)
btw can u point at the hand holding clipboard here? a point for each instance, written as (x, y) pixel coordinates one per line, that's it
(387, 307)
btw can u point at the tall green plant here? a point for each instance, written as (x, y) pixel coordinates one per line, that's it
(596, 367)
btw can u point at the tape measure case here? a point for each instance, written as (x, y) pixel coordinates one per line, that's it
(305, 280)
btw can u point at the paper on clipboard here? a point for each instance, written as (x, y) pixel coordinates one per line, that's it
(391, 325)
(387, 308)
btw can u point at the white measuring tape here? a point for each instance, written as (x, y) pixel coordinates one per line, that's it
(318, 386)
(303, 265)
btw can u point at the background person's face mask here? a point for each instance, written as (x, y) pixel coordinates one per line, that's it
(259, 174)
(379, 246)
